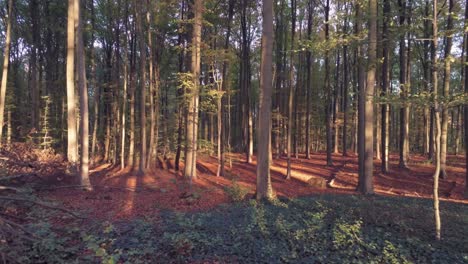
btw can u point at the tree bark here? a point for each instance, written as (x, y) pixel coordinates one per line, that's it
(72, 148)
(446, 91)
(437, 122)
(385, 87)
(327, 88)
(264, 188)
(84, 111)
(139, 12)
(291, 87)
(366, 155)
(192, 115)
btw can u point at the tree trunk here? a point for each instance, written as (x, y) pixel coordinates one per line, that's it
(466, 106)
(446, 91)
(366, 180)
(139, 13)
(385, 87)
(192, 115)
(84, 112)
(327, 88)
(403, 88)
(72, 148)
(437, 122)
(291, 87)
(264, 188)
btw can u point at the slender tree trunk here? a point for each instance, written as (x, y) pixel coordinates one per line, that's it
(84, 112)
(264, 188)
(365, 184)
(221, 132)
(385, 86)
(328, 104)
(446, 91)
(437, 122)
(291, 87)
(310, 7)
(139, 12)
(192, 115)
(466, 106)
(403, 87)
(152, 148)
(72, 148)
(33, 64)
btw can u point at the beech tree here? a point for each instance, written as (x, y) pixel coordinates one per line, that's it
(264, 188)
(192, 113)
(6, 61)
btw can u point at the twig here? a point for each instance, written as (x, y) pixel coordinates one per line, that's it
(41, 204)
(2, 188)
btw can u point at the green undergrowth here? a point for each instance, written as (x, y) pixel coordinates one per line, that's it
(319, 229)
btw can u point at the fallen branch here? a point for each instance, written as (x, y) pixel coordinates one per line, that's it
(45, 205)
(3, 188)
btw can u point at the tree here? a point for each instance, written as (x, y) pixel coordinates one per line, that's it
(291, 86)
(385, 86)
(192, 113)
(466, 91)
(436, 120)
(6, 61)
(264, 188)
(72, 148)
(365, 184)
(83, 88)
(139, 13)
(446, 90)
(404, 83)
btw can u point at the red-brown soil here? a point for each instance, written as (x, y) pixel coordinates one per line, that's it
(123, 194)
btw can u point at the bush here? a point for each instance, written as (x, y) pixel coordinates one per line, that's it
(236, 192)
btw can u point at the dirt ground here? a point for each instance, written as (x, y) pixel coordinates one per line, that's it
(124, 195)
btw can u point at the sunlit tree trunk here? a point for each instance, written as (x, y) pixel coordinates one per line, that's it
(365, 184)
(403, 88)
(139, 12)
(385, 86)
(264, 188)
(192, 115)
(446, 91)
(437, 121)
(84, 112)
(291, 87)
(72, 148)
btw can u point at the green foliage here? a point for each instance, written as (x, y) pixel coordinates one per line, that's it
(236, 192)
(326, 229)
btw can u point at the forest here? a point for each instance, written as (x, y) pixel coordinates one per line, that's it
(234, 131)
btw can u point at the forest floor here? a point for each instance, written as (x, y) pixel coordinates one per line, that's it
(159, 218)
(124, 195)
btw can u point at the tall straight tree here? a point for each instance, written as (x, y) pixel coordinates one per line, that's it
(83, 89)
(466, 92)
(192, 113)
(291, 86)
(365, 184)
(436, 120)
(404, 128)
(264, 188)
(140, 13)
(385, 85)
(72, 146)
(6, 61)
(446, 90)
(328, 104)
